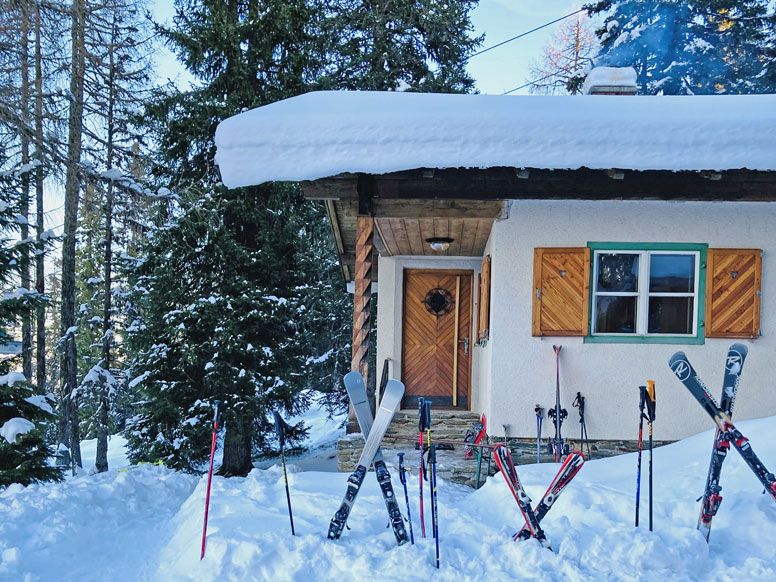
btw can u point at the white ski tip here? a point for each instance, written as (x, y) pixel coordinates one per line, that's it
(392, 395)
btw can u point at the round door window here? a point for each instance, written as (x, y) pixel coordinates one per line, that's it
(439, 301)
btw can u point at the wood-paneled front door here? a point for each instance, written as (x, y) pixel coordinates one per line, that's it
(437, 342)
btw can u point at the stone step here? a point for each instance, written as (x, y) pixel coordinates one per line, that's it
(445, 424)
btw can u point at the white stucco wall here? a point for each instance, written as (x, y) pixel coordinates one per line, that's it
(390, 306)
(521, 368)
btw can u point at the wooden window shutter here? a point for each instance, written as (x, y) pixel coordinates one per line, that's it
(733, 293)
(561, 291)
(483, 307)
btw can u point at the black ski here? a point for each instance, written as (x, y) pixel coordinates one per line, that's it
(354, 384)
(394, 390)
(683, 370)
(711, 499)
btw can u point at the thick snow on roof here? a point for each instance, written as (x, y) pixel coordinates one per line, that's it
(326, 133)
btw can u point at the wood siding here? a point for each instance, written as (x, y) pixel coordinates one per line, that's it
(561, 292)
(483, 303)
(733, 293)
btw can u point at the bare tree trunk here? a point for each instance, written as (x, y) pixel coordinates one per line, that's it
(40, 274)
(237, 445)
(24, 106)
(69, 430)
(101, 463)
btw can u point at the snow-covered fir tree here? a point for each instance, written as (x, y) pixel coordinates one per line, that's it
(703, 47)
(25, 412)
(220, 321)
(388, 45)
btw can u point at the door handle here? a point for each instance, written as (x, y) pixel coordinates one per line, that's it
(465, 342)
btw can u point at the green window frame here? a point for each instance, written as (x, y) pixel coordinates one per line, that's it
(697, 339)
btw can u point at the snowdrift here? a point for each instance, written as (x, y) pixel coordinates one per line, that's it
(144, 523)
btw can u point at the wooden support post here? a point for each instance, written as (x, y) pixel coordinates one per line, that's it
(362, 297)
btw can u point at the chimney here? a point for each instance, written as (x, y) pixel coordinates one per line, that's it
(610, 81)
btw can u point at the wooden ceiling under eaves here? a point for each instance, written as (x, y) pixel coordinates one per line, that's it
(402, 226)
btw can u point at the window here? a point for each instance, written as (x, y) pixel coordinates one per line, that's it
(645, 293)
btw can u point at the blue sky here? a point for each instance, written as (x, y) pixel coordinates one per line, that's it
(496, 71)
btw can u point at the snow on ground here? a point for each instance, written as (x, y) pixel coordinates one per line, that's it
(117, 453)
(144, 523)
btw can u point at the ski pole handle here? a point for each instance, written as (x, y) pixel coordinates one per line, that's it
(402, 474)
(421, 415)
(217, 414)
(651, 400)
(427, 414)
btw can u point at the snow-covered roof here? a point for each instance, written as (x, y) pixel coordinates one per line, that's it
(611, 78)
(327, 133)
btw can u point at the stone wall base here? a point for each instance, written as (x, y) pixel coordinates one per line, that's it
(452, 466)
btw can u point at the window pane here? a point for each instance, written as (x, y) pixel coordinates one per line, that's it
(672, 274)
(615, 314)
(618, 272)
(670, 315)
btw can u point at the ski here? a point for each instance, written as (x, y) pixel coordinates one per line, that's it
(507, 468)
(711, 499)
(354, 384)
(394, 390)
(558, 446)
(474, 436)
(571, 466)
(683, 370)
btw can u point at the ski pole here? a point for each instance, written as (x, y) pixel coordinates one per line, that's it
(403, 479)
(420, 465)
(216, 422)
(427, 424)
(651, 414)
(434, 509)
(642, 399)
(539, 415)
(280, 430)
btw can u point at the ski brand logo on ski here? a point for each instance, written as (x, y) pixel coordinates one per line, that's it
(681, 369)
(733, 362)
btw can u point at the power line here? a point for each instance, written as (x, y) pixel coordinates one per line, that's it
(524, 85)
(526, 33)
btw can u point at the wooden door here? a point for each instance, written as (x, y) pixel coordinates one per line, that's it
(437, 342)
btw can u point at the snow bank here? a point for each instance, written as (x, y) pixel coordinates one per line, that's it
(326, 133)
(144, 523)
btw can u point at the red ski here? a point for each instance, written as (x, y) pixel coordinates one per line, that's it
(507, 467)
(571, 466)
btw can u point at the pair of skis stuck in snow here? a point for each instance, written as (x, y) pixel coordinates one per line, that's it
(373, 432)
(534, 515)
(727, 434)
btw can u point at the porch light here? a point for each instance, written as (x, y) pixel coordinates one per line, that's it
(439, 244)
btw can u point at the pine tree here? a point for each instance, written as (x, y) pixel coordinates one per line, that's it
(217, 323)
(24, 414)
(389, 45)
(676, 47)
